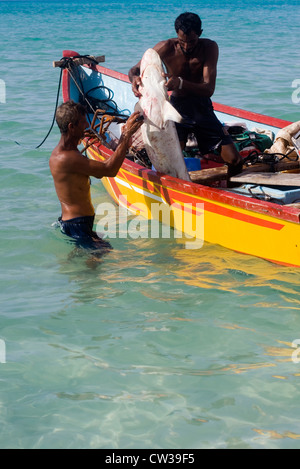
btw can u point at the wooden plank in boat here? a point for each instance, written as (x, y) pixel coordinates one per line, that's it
(268, 179)
(210, 175)
(284, 165)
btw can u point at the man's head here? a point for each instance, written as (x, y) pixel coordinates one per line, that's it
(188, 28)
(188, 22)
(71, 116)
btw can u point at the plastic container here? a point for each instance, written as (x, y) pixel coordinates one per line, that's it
(192, 164)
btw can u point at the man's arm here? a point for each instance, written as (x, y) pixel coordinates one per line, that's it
(113, 164)
(110, 167)
(134, 77)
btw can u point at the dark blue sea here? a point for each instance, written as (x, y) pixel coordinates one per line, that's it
(157, 346)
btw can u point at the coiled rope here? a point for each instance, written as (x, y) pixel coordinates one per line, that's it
(108, 103)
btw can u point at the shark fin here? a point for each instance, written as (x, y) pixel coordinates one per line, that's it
(138, 107)
(170, 113)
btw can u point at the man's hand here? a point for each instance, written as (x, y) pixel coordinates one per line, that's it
(172, 83)
(136, 82)
(133, 123)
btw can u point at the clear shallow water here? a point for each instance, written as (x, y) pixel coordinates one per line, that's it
(156, 346)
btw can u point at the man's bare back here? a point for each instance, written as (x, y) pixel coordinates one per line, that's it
(72, 187)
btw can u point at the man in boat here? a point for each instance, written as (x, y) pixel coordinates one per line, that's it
(191, 63)
(71, 172)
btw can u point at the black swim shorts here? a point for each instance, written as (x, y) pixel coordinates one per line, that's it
(81, 230)
(200, 119)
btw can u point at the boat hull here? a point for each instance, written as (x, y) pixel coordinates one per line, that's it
(213, 221)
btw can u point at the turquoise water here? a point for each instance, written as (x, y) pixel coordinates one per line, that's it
(156, 346)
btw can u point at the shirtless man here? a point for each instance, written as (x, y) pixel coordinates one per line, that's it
(71, 172)
(191, 63)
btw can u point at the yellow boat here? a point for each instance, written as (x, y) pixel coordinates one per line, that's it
(204, 210)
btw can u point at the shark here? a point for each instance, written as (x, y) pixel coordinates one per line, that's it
(158, 131)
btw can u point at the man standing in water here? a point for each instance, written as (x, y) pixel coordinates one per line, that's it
(191, 64)
(71, 172)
